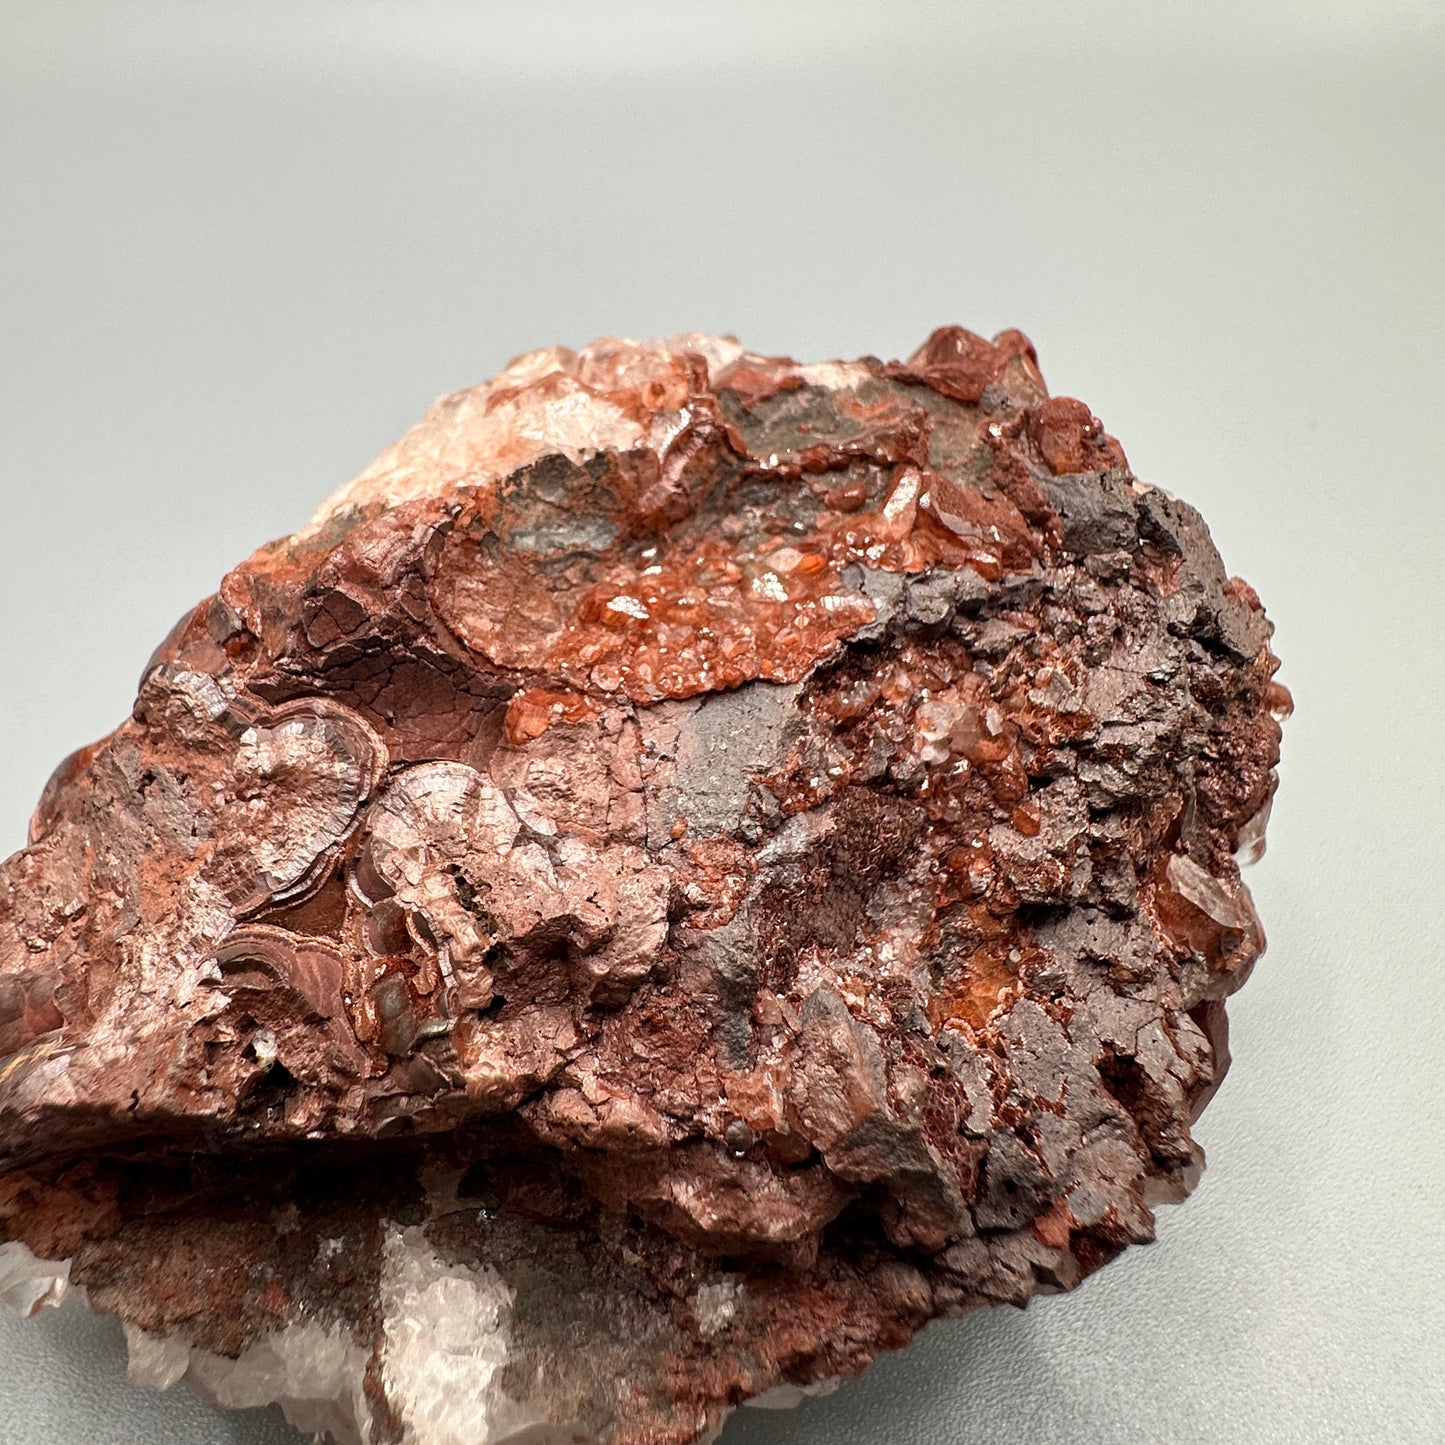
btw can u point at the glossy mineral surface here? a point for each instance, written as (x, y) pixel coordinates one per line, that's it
(690, 867)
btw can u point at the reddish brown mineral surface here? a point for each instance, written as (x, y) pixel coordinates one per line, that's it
(692, 866)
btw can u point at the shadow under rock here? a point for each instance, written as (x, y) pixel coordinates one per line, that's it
(908, 1396)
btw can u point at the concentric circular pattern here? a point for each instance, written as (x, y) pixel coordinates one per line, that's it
(690, 867)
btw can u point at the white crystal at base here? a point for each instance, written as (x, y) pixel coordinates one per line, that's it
(789, 1397)
(315, 1374)
(447, 1338)
(28, 1284)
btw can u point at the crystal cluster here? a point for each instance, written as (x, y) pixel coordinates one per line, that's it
(690, 867)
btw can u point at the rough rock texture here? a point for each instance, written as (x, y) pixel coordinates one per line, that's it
(692, 866)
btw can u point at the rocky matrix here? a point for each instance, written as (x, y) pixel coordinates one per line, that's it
(692, 866)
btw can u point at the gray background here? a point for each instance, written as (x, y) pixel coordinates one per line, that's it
(243, 246)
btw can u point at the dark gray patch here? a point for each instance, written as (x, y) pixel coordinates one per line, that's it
(1096, 509)
(716, 744)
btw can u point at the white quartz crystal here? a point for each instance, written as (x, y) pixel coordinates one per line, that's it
(157, 1361)
(447, 1338)
(714, 1305)
(789, 1397)
(316, 1374)
(28, 1284)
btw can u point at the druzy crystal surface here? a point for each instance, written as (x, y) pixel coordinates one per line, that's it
(690, 867)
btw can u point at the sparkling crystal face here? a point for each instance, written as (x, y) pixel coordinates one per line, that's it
(687, 839)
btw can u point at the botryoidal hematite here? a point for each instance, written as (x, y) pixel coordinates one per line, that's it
(690, 867)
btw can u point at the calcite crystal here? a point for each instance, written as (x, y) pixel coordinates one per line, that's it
(690, 867)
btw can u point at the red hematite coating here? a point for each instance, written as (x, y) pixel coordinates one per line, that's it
(717, 860)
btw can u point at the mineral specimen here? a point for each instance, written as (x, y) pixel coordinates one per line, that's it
(690, 867)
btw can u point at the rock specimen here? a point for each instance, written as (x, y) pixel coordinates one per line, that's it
(690, 867)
